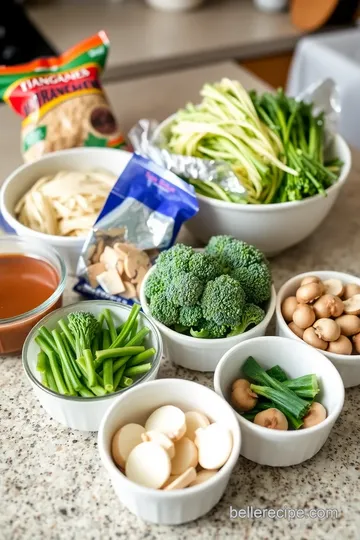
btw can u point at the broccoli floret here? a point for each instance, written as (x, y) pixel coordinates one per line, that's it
(252, 315)
(154, 285)
(210, 330)
(163, 310)
(239, 253)
(190, 316)
(217, 244)
(83, 326)
(173, 261)
(184, 289)
(256, 282)
(223, 301)
(205, 266)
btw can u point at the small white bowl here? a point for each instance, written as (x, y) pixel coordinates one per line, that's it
(178, 506)
(282, 448)
(202, 354)
(84, 414)
(174, 5)
(270, 227)
(22, 179)
(348, 365)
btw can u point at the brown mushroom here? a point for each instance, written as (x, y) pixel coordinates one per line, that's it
(272, 419)
(288, 307)
(350, 289)
(316, 414)
(310, 279)
(356, 342)
(242, 397)
(327, 329)
(349, 324)
(304, 316)
(311, 338)
(352, 305)
(299, 332)
(309, 293)
(334, 287)
(328, 306)
(342, 345)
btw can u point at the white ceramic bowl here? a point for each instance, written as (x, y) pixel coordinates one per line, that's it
(178, 506)
(174, 5)
(196, 353)
(270, 227)
(84, 414)
(282, 448)
(347, 365)
(21, 180)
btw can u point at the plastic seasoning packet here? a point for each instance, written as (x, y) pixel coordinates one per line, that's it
(61, 100)
(143, 213)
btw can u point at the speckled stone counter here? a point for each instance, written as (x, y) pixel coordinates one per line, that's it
(52, 485)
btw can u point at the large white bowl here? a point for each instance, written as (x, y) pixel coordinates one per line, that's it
(202, 354)
(84, 414)
(269, 446)
(22, 179)
(182, 505)
(270, 227)
(347, 365)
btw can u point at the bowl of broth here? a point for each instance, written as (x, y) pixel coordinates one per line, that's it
(32, 282)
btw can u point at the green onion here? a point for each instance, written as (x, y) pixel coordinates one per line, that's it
(140, 358)
(306, 386)
(110, 324)
(284, 400)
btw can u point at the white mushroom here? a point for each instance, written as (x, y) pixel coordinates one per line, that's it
(214, 444)
(194, 420)
(161, 439)
(124, 440)
(169, 420)
(186, 456)
(149, 465)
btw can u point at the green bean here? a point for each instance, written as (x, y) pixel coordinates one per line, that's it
(110, 324)
(120, 340)
(57, 374)
(106, 339)
(51, 380)
(134, 329)
(139, 337)
(41, 362)
(98, 390)
(44, 379)
(45, 334)
(137, 370)
(119, 328)
(95, 346)
(65, 361)
(120, 362)
(90, 368)
(114, 353)
(68, 382)
(140, 358)
(43, 344)
(85, 392)
(118, 376)
(101, 320)
(126, 382)
(64, 327)
(70, 354)
(108, 375)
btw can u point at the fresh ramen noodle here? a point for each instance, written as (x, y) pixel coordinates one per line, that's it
(65, 204)
(61, 100)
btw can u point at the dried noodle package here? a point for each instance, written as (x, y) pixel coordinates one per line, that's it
(61, 100)
(141, 217)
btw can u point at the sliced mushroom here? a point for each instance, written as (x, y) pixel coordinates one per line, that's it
(350, 289)
(149, 465)
(352, 305)
(334, 287)
(169, 420)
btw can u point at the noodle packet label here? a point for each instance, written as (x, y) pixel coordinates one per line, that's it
(61, 100)
(142, 216)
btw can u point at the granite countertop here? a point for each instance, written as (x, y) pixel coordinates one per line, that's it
(52, 484)
(145, 41)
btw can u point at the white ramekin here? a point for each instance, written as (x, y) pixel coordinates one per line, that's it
(270, 227)
(21, 180)
(282, 448)
(84, 414)
(196, 353)
(156, 506)
(348, 365)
